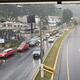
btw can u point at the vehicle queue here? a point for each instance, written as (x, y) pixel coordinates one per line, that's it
(24, 46)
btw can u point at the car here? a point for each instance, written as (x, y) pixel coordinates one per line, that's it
(47, 35)
(24, 46)
(60, 32)
(33, 43)
(36, 53)
(7, 52)
(35, 38)
(45, 38)
(57, 35)
(51, 39)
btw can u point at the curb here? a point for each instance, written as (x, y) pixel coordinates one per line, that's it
(37, 70)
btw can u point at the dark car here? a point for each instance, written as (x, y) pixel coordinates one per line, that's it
(37, 54)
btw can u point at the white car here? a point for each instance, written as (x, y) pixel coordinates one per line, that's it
(57, 35)
(51, 39)
(47, 35)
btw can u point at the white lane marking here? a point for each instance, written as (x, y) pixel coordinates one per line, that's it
(68, 74)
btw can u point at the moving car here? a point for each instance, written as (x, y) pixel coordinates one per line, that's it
(34, 41)
(7, 52)
(24, 46)
(47, 35)
(57, 35)
(51, 39)
(36, 53)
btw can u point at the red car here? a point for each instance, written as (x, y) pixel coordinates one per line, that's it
(23, 47)
(7, 52)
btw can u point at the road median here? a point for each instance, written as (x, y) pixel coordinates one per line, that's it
(51, 57)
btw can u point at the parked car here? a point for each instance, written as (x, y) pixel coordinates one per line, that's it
(36, 53)
(24, 46)
(7, 52)
(51, 39)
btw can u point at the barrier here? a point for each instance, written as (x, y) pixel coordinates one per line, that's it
(48, 69)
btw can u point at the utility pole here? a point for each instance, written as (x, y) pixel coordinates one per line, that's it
(41, 50)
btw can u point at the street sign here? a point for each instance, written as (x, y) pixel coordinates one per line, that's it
(31, 19)
(2, 40)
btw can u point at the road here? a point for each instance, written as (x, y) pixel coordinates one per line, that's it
(20, 66)
(69, 59)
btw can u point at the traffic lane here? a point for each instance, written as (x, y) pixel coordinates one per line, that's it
(72, 46)
(13, 63)
(61, 71)
(27, 72)
(74, 55)
(21, 71)
(47, 46)
(11, 66)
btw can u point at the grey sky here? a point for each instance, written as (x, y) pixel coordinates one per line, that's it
(75, 8)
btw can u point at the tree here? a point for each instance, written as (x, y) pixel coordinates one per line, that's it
(67, 14)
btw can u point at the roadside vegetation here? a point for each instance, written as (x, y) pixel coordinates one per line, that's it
(12, 44)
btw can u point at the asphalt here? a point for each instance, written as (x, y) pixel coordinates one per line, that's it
(20, 66)
(68, 67)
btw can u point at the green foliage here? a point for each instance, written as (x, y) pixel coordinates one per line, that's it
(67, 14)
